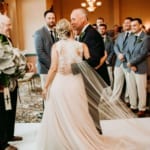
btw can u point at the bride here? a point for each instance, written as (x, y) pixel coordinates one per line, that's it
(66, 122)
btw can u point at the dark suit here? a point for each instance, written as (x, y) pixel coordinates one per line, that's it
(7, 118)
(43, 43)
(96, 48)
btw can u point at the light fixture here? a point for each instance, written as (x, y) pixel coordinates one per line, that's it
(91, 5)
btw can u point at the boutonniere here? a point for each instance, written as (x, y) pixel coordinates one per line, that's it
(107, 39)
(81, 36)
(139, 40)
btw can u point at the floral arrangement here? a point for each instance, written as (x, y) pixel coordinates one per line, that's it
(12, 67)
(12, 64)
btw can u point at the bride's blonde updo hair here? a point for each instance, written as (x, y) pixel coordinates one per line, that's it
(63, 29)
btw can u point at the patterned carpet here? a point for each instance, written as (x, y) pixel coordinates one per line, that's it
(30, 104)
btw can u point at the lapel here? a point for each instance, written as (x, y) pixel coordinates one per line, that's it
(83, 34)
(47, 34)
(120, 41)
(138, 41)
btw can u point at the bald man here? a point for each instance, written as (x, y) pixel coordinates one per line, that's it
(7, 117)
(88, 35)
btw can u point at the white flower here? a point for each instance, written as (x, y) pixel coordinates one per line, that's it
(12, 64)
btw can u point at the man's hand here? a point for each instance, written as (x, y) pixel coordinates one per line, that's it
(133, 68)
(121, 57)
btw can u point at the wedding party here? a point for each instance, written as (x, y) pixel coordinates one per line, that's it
(75, 78)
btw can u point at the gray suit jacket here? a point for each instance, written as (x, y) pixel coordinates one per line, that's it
(137, 52)
(120, 47)
(43, 43)
(109, 47)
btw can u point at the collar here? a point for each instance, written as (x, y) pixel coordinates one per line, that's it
(104, 36)
(138, 34)
(84, 28)
(50, 29)
(128, 32)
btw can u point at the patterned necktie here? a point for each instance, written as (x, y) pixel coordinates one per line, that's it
(52, 36)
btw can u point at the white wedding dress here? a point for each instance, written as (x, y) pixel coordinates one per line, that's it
(66, 122)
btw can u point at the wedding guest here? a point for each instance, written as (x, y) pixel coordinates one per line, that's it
(99, 21)
(110, 55)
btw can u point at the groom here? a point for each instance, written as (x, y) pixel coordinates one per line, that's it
(93, 40)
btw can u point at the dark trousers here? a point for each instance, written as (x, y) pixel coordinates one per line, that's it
(7, 119)
(103, 72)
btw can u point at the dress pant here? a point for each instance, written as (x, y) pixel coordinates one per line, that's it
(43, 78)
(7, 118)
(137, 90)
(110, 73)
(120, 76)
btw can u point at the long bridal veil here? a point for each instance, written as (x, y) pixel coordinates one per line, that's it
(100, 93)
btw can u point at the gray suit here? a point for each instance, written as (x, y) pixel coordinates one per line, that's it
(136, 55)
(109, 47)
(120, 47)
(43, 43)
(120, 68)
(137, 52)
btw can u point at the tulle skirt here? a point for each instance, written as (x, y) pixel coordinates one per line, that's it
(67, 124)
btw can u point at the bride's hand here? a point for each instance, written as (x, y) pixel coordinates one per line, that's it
(44, 93)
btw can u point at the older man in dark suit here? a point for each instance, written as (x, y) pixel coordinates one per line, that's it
(44, 38)
(94, 41)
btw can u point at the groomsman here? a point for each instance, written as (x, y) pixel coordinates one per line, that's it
(44, 38)
(120, 63)
(109, 50)
(136, 56)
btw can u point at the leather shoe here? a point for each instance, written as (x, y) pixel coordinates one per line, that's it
(16, 138)
(134, 110)
(99, 130)
(128, 104)
(11, 147)
(141, 114)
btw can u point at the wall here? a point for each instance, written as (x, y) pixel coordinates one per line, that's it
(67, 6)
(135, 8)
(27, 15)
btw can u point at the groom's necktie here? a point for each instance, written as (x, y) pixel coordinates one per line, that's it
(52, 36)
